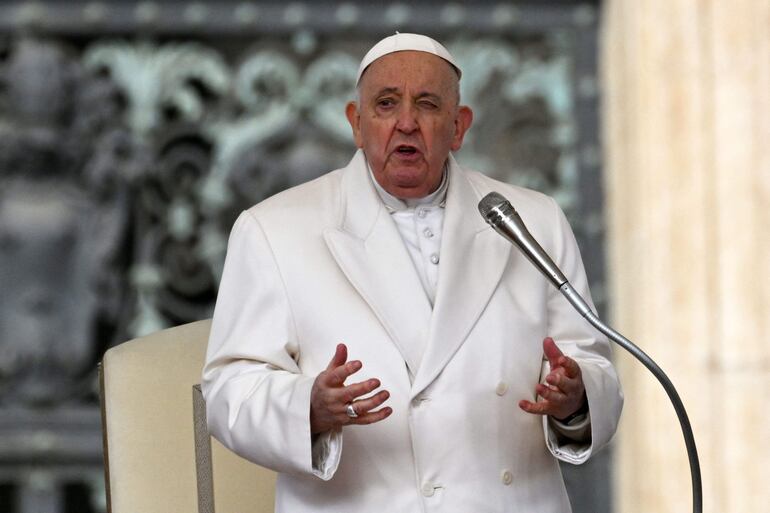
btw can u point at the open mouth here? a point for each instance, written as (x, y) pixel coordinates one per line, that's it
(406, 150)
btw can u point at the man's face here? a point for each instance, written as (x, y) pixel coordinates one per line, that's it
(408, 121)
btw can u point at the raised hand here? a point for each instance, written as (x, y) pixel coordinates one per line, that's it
(563, 392)
(330, 397)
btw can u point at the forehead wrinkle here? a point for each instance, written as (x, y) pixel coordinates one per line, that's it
(388, 90)
(449, 84)
(419, 94)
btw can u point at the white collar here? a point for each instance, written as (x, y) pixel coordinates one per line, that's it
(436, 198)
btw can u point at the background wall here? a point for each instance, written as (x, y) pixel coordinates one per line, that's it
(132, 133)
(687, 126)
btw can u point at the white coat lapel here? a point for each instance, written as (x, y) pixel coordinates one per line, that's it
(473, 258)
(369, 250)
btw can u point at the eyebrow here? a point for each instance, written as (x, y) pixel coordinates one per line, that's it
(430, 96)
(396, 90)
(387, 90)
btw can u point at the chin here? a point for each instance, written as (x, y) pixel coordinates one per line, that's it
(408, 182)
(408, 178)
(409, 190)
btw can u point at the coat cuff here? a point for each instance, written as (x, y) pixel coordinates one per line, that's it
(577, 429)
(326, 451)
(569, 443)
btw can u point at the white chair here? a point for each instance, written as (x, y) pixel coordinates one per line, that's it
(151, 436)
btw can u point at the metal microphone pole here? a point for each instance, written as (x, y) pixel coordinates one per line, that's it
(501, 215)
(689, 439)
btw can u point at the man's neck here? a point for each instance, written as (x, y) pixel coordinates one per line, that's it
(393, 203)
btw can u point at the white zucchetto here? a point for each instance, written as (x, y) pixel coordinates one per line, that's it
(402, 42)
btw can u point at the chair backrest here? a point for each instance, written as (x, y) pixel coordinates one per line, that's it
(149, 442)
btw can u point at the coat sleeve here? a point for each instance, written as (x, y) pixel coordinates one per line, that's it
(580, 341)
(257, 399)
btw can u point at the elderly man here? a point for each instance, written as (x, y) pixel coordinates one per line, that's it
(473, 376)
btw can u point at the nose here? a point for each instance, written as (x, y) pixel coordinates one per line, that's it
(407, 119)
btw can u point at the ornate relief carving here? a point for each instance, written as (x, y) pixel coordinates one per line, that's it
(524, 124)
(168, 81)
(63, 211)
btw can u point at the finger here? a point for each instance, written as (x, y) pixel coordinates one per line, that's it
(557, 378)
(570, 366)
(337, 376)
(550, 394)
(339, 358)
(565, 385)
(552, 352)
(541, 408)
(363, 406)
(356, 390)
(372, 416)
(538, 408)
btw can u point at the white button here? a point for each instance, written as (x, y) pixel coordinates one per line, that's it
(427, 489)
(501, 388)
(506, 477)
(434, 258)
(422, 212)
(427, 233)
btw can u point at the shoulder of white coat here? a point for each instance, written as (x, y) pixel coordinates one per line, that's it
(313, 202)
(528, 202)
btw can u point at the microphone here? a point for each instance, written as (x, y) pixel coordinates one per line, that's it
(501, 215)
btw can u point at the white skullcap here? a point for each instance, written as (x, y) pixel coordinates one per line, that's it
(401, 42)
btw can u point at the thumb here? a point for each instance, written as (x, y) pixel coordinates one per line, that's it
(552, 352)
(339, 358)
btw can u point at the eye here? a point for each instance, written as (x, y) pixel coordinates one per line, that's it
(386, 102)
(427, 104)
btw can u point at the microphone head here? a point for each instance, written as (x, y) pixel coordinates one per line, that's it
(493, 201)
(503, 218)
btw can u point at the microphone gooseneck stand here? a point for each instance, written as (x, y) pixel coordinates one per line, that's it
(501, 215)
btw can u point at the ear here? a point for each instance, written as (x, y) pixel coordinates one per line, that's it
(354, 118)
(462, 124)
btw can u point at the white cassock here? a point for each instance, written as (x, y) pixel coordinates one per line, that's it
(324, 263)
